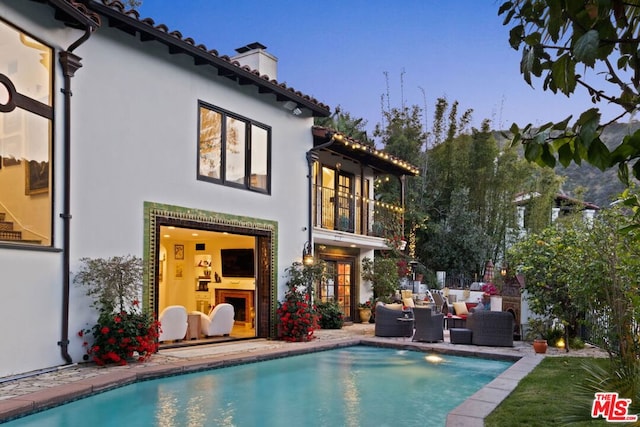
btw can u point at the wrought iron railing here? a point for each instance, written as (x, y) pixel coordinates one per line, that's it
(352, 213)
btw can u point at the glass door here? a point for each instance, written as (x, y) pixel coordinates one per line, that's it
(345, 203)
(339, 286)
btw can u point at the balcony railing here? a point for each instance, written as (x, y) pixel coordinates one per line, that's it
(351, 213)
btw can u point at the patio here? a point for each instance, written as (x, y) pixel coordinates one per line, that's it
(29, 392)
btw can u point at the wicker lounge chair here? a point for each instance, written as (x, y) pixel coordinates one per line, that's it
(438, 300)
(388, 325)
(428, 325)
(494, 328)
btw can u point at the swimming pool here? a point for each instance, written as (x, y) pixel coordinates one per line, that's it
(352, 386)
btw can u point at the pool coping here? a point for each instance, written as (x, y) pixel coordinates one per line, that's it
(468, 414)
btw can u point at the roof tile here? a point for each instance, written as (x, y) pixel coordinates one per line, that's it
(133, 14)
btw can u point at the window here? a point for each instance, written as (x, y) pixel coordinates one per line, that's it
(233, 150)
(25, 139)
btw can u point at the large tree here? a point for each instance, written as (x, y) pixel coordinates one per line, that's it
(590, 45)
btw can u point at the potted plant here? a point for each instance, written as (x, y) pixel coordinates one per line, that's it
(494, 295)
(364, 310)
(537, 332)
(123, 332)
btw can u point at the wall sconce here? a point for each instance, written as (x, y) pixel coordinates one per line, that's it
(293, 107)
(307, 254)
(503, 271)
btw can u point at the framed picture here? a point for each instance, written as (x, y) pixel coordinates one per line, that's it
(36, 177)
(178, 251)
(179, 270)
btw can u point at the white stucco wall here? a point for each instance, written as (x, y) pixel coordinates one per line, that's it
(134, 139)
(31, 280)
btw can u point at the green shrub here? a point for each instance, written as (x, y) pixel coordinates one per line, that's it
(330, 315)
(576, 343)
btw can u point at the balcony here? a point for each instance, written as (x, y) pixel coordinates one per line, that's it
(351, 213)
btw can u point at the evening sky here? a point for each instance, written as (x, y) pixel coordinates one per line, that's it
(353, 53)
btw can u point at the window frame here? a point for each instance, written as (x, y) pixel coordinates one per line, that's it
(46, 112)
(248, 145)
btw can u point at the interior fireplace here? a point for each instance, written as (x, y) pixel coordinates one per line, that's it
(239, 306)
(241, 300)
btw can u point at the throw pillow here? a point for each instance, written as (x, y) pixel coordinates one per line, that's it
(460, 308)
(396, 306)
(408, 302)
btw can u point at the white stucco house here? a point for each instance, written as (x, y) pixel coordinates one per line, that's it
(347, 222)
(119, 136)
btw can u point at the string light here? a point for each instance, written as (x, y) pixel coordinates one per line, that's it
(381, 154)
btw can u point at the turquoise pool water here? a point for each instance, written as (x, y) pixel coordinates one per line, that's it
(354, 386)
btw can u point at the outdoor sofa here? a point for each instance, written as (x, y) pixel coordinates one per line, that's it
(492, 328)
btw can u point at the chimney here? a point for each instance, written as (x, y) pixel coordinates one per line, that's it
(255, 56)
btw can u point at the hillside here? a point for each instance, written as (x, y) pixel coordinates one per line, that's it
(599, 187)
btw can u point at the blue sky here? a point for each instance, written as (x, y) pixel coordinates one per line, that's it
(339, 51)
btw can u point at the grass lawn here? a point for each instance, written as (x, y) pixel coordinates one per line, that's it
(546, 395)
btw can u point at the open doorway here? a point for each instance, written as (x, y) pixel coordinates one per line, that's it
(199, 269)
(200, 259)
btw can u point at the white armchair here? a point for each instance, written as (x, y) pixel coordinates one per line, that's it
(218, 322)
(173, 322)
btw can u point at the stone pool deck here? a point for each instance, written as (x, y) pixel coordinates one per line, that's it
(32, 392)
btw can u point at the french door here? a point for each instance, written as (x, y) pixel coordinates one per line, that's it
(337, 201)
(339, 285)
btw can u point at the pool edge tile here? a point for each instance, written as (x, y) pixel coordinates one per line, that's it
(15, 407)
(475, 409)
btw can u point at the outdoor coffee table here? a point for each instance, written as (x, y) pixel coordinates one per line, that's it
(454, 322)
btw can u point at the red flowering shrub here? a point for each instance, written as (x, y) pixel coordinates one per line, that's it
(119, 337)
(489, 288)
(298, 317)
(122, 332)
(403, 268)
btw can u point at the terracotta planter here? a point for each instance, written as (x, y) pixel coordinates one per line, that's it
(540, 346)
(365, 315)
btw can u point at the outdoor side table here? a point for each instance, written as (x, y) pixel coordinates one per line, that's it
(454, 322)
(193, 326)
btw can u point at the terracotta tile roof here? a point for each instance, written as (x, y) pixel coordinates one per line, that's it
(130, 22)
(73, 13)
(559, 200)
(365, 154)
